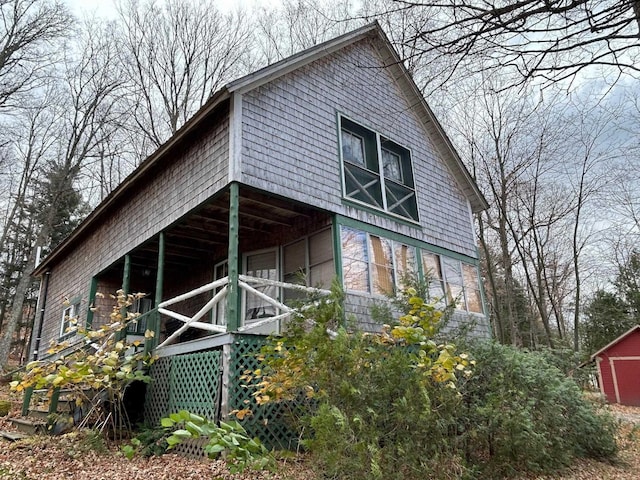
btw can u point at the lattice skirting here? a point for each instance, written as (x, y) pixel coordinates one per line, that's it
(185, 382)
(193, 382)
(271, 422)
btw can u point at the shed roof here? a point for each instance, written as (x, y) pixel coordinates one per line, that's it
(616, 341)
(253, 80)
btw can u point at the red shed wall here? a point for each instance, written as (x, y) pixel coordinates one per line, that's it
(619, 366)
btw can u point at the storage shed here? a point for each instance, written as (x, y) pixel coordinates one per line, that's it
(619, 368)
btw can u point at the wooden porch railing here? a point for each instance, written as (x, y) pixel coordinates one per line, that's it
(248, 285)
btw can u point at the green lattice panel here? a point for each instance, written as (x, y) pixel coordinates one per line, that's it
(184, 382)
(156, 403)
(195, 383)
(268, 422)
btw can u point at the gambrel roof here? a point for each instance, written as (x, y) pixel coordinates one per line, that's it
(222, 97)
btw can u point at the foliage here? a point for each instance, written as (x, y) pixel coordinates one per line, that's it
(148, 442)
(627, 285)
(228, 439)
(379, 405)
(5, 407)
(398, 404)
(523, 414)
(97, 374)
(605, 319)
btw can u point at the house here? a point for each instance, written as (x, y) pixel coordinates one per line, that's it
(326, 164)
(618, 366)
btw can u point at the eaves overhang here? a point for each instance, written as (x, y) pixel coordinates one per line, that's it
(133, 179)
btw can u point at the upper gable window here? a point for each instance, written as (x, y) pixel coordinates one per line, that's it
(373, 164)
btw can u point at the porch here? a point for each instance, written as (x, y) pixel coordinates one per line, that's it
(235, 264)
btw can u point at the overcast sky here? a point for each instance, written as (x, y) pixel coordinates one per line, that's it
(106, 8)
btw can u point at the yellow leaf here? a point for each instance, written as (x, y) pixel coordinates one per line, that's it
(58, 380)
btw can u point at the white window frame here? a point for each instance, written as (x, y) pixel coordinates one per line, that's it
(245, 264)
(379, 140)
(68, 313)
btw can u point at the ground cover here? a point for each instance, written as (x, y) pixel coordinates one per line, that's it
(81, 456)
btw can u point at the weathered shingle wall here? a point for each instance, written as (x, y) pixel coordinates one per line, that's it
(194, 174)
(290, 143)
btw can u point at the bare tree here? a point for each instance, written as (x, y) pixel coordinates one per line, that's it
(552, 40)
(26, 31)
(79, 107)
(177, 53)
(298, 24)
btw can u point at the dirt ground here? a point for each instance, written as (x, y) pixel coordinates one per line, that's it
(78, 457)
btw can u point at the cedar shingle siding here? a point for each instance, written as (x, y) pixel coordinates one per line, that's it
(290, 143)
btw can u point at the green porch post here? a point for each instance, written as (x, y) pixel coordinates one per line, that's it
(154, 320)
(93, 289)
(126, 280)
(233, 294)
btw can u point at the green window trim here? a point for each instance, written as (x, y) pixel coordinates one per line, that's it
(464, 289)
(382, 232)
(376, 172)
(93, 289)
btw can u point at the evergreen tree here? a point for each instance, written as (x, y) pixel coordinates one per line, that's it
(606, 318)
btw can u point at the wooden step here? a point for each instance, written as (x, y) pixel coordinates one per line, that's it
(12, 436)
(30, 427)
(38, 413)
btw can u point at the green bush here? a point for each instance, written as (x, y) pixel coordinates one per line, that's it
(383, 403)
(521, 413)
(5, 407)
(402, 404)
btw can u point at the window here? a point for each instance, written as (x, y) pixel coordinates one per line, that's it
(309, 261)
(70, 319)
(452, 282)
(373, 164)
(373, 264)
(141, 306)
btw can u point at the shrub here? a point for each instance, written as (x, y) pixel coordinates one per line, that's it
(523, 414)
(98, 374)
(403, 404)
(382, 403)
(5, 407)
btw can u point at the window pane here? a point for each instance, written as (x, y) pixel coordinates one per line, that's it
(391, 165)
(452, 270)
(474, 301)
(401, 200)
(320, 247)
(470, 273)
(261, 265)
(322, 274)
(431, 266)
(352, 148)
(382, 266)
(433, 275)
(405, 258)
(354, 259)
(455, 295)
(294, 257)
(472, 288)
(363, 185)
